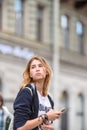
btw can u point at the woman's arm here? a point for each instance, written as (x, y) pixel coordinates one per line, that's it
(51, 115)
(31, 124)
(23, 111)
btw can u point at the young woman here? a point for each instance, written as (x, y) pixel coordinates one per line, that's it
(39, 73)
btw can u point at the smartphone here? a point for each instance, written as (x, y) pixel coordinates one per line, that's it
(63, 110)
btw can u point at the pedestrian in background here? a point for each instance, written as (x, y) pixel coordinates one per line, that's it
(35, 112)
(5, 115)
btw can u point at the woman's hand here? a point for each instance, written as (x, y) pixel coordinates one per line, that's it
(46, 127)
(53, 114)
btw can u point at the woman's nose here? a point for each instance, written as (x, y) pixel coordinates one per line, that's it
(37, 68)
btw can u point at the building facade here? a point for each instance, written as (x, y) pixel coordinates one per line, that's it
(29, 27)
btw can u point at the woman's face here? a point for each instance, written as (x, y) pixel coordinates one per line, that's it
(37, 70)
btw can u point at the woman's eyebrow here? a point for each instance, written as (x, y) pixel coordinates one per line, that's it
(40, 64)
(37, 64)
(33, 65)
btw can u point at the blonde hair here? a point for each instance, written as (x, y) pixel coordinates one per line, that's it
(26, 75)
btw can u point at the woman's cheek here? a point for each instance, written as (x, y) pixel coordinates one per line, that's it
(45, 73)
(31, 73)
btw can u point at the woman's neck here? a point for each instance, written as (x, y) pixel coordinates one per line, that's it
(39, 86)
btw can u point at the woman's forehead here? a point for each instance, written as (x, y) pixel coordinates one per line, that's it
(35, 61)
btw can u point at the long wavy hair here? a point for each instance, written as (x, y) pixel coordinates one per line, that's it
(26, 75)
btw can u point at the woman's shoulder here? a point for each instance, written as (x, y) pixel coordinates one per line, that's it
(25, 89)
(23, 94)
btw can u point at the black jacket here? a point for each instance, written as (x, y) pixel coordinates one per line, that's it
(26, 107)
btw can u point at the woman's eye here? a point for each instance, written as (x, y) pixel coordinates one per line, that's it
(32, 67)
(40, 65)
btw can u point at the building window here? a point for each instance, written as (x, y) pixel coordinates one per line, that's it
(19, 14)
(64, 117)
(79, 113)
(40, 13)
(0, 14)
(79, 31)
(65, 30)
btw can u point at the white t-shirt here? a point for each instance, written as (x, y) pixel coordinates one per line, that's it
(44, 104)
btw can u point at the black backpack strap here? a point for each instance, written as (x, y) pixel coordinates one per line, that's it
(32, 91)
(51, 101)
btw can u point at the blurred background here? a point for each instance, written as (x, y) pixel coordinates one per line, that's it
(56, 30)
